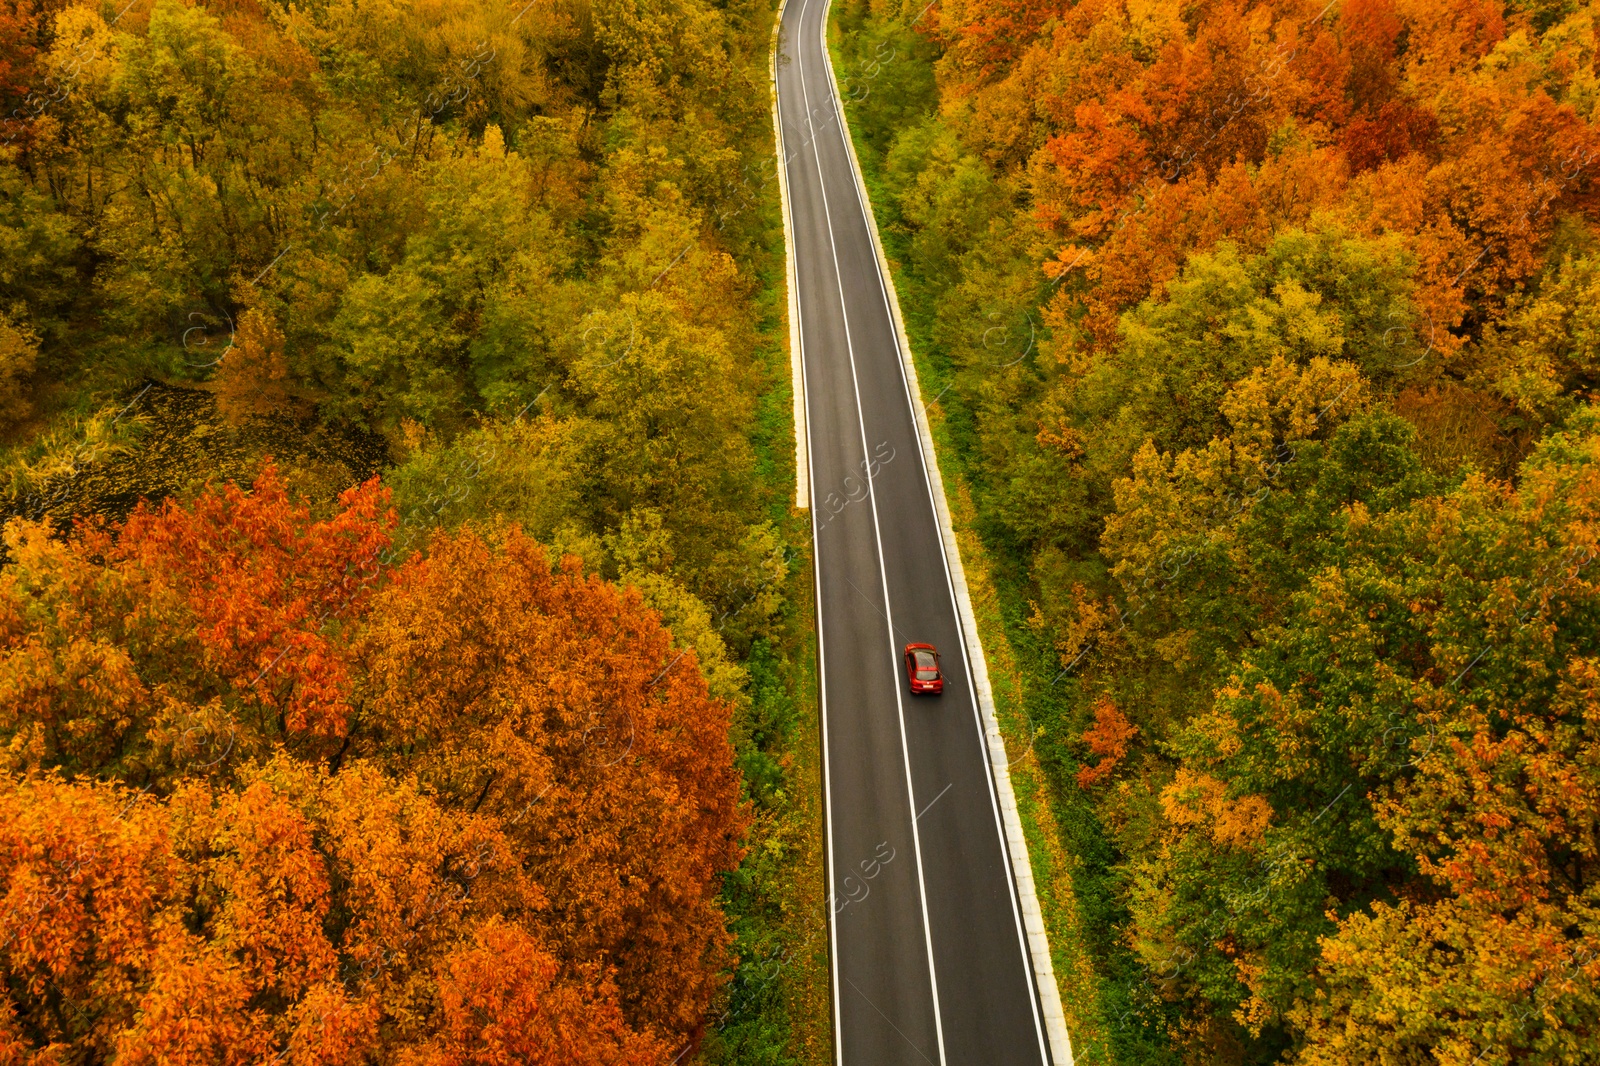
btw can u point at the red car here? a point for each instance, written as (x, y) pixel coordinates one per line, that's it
(922, 669)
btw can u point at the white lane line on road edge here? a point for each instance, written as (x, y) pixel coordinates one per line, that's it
(872, 499)
(1019, 873)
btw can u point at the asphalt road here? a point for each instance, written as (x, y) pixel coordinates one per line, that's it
(929, 961)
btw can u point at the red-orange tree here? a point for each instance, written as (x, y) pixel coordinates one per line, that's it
(189, 640)
(240, 651)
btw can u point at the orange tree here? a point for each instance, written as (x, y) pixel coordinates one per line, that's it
(234, 701)
(307, 917)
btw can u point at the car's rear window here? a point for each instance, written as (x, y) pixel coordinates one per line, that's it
(927, 675)
(924, 660)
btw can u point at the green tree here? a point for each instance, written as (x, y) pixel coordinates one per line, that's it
(1384, 797)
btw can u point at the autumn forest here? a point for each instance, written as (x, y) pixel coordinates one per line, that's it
(1268, 345)
(406, 650)
(399, 628)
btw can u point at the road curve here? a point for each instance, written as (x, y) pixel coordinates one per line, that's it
(929, 962)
